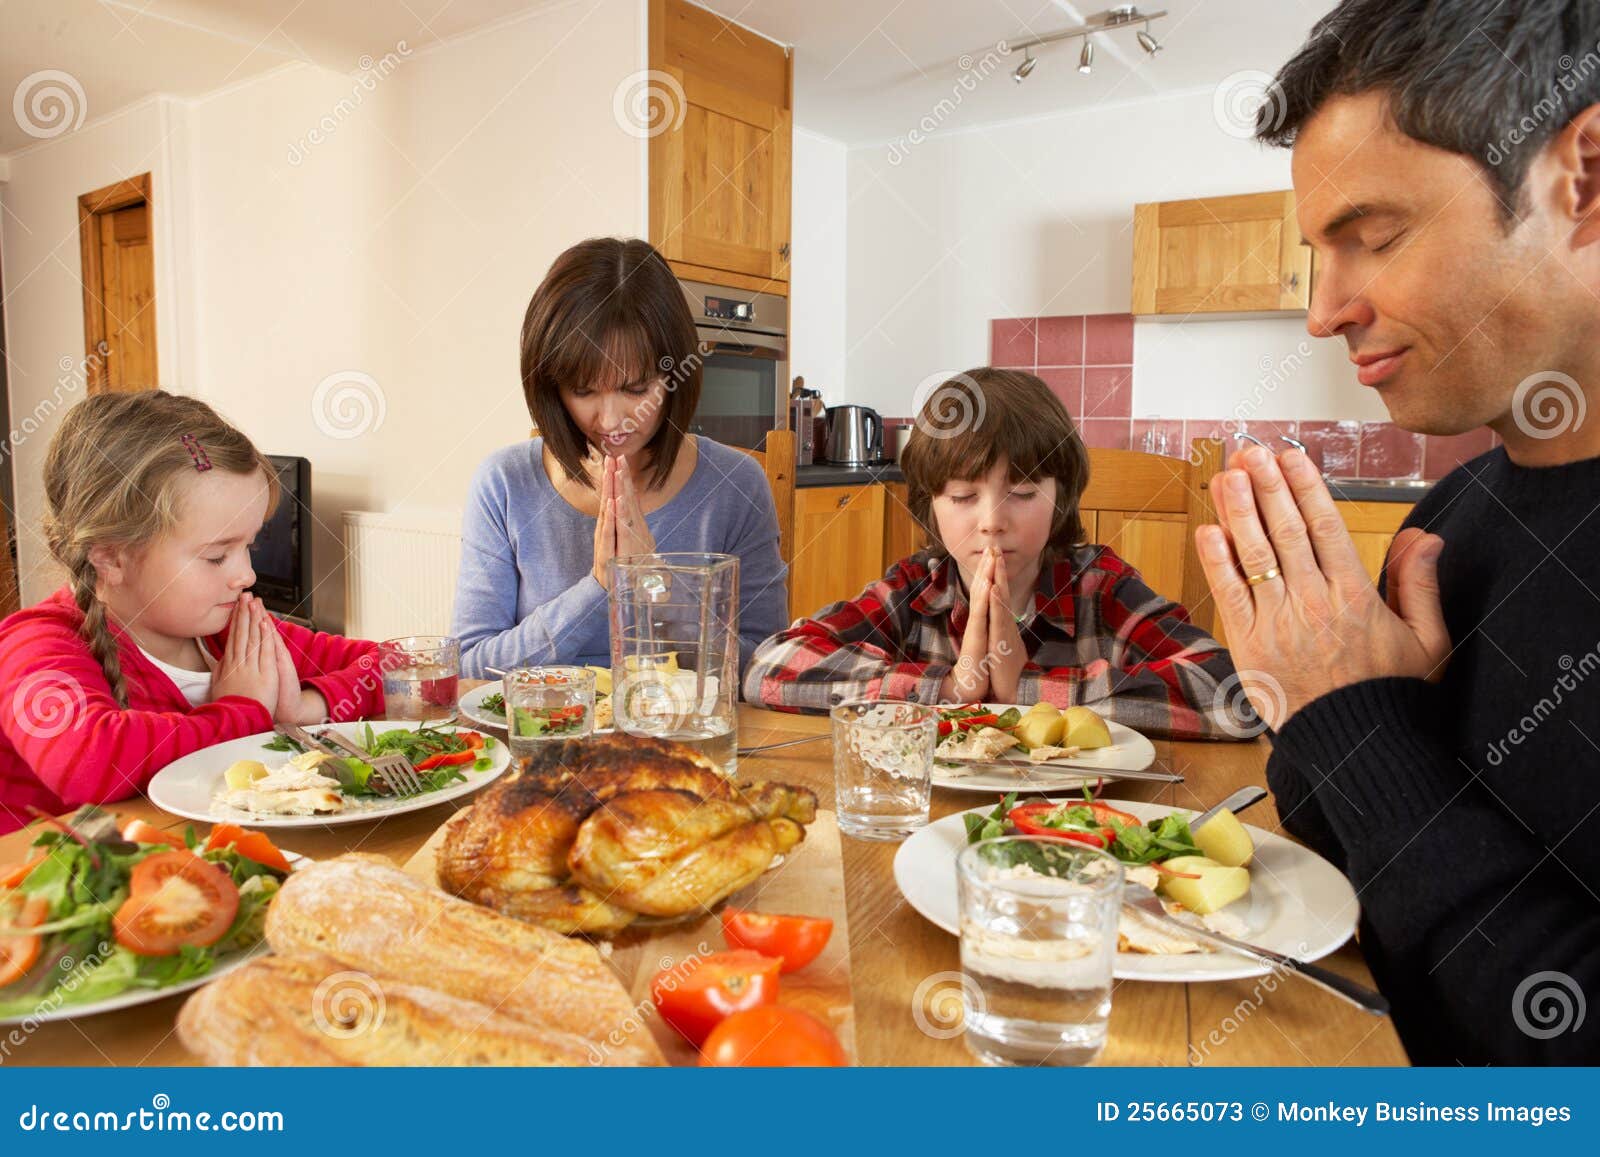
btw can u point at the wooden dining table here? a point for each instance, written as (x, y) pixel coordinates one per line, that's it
(896, 956)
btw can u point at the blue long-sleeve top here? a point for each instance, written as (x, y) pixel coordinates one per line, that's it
(526, 593)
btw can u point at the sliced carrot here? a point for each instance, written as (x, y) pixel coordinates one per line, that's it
(13, 876)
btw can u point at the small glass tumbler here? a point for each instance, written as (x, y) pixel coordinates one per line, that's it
(1038, 940)
(421, 676)
(883, 767)
(544, 703)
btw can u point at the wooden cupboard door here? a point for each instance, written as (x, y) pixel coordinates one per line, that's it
(720, 180)
(838, 545)
(902, 536)
(1153, 544)
(1220, 255)
(1372, 527)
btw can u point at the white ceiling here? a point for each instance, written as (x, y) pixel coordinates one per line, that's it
(870, 70)
(866, 70)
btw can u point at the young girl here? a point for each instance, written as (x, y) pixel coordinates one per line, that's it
(154, 649)
(1009, 605)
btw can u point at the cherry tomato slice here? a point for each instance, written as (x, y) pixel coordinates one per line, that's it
(797, 939)
(696, 994)
(175, 898)
(251, 845)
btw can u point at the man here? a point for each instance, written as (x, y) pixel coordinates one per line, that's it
(1439, 738)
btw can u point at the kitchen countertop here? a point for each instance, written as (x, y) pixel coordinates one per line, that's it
(1378, 490)
(831, 474)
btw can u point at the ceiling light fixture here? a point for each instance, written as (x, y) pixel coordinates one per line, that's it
(1121, 16)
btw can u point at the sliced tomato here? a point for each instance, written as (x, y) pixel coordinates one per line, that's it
(471, 738)
(175, 898)
(1105, 813)
(18, 951)
(140, 832)
(797, 939)
(772, 1036)
(694, 996)
(251, 845)
(447, 759)
(14, 875)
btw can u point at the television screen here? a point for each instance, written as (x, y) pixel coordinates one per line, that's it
(281, 556)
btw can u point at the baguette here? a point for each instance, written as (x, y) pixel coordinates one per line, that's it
(372, 917)
(308, 1009)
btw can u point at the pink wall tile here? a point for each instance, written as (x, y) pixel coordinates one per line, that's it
(1210, 428)
(1061, 341)
(1270, 431)
(1013, 342)
(1067, 384)
(1169, 428)
(1387, 451)
(1335, 447)
(1108, 392)
(1106, 433)
(1108, 339)
(1440, 455)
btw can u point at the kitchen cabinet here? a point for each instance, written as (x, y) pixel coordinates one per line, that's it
(1372, 527)
(1220, 255)
(838, 544)
(720, 164)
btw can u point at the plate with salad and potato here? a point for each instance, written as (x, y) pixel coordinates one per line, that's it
(1226, 876)
(1000, 747)
(104, 913)
(270, 781)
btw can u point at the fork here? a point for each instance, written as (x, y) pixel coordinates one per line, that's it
(394, 769)
(1142, 899)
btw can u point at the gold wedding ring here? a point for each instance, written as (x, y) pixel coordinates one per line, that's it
(1268, 575)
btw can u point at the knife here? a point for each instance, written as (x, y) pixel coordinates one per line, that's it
(1088, 770)
(1236, 803)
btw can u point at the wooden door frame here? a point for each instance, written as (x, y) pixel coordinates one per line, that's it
(92, 206)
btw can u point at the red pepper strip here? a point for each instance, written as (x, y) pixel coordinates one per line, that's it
(945, 727)
(1023, 819)
(471, 738)
(978, 721)
(1166, 871)
(446, 759)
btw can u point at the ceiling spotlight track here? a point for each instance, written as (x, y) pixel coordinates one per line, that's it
(1122, 16)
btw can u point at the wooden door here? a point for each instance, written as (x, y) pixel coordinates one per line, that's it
(720, 180)
(838, 545)
(119, 300)
(1220, 255)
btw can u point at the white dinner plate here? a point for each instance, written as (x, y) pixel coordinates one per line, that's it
(1299, 904)
(137, 996)
(189, 786)
(1129, 751)
(470, 705)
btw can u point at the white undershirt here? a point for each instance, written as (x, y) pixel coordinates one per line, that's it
(194, 685)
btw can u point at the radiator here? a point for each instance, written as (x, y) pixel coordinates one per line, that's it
(400, 572)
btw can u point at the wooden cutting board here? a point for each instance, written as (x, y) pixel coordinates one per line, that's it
(809, 882)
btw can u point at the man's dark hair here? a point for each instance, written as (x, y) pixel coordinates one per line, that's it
(1493, 80)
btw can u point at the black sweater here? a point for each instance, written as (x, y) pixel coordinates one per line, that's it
(1466, 813)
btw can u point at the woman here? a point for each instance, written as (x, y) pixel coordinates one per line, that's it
(611, 373)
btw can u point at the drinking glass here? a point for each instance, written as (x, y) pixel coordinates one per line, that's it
(883, 766)
(544, 703)
(1038, 939)
(421, 676)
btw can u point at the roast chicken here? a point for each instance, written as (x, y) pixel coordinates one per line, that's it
(591, 834)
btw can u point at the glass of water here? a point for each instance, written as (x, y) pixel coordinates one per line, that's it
(883, 767)
(545, 703)
(1038, 939)
(421, 675)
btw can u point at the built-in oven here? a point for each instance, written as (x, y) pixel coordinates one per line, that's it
(744, 351)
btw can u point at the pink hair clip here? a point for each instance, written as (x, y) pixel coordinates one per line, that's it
(202, 462)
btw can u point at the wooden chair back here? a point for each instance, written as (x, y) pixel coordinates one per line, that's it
(777, 463)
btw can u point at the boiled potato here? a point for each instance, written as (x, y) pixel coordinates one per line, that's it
(1042, 726)
(1085, 729)
(666, 661)
(1217, 887)
(243, 773)
(602, 678)
(1222, 838)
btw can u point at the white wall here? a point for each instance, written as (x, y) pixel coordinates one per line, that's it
(1035, 219)
(403, 245)
(44, 294)
(819, 253)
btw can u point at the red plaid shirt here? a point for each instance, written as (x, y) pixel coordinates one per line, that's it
(1100, 636)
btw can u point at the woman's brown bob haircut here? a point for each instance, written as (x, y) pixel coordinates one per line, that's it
(609, 313)
(975, 419)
